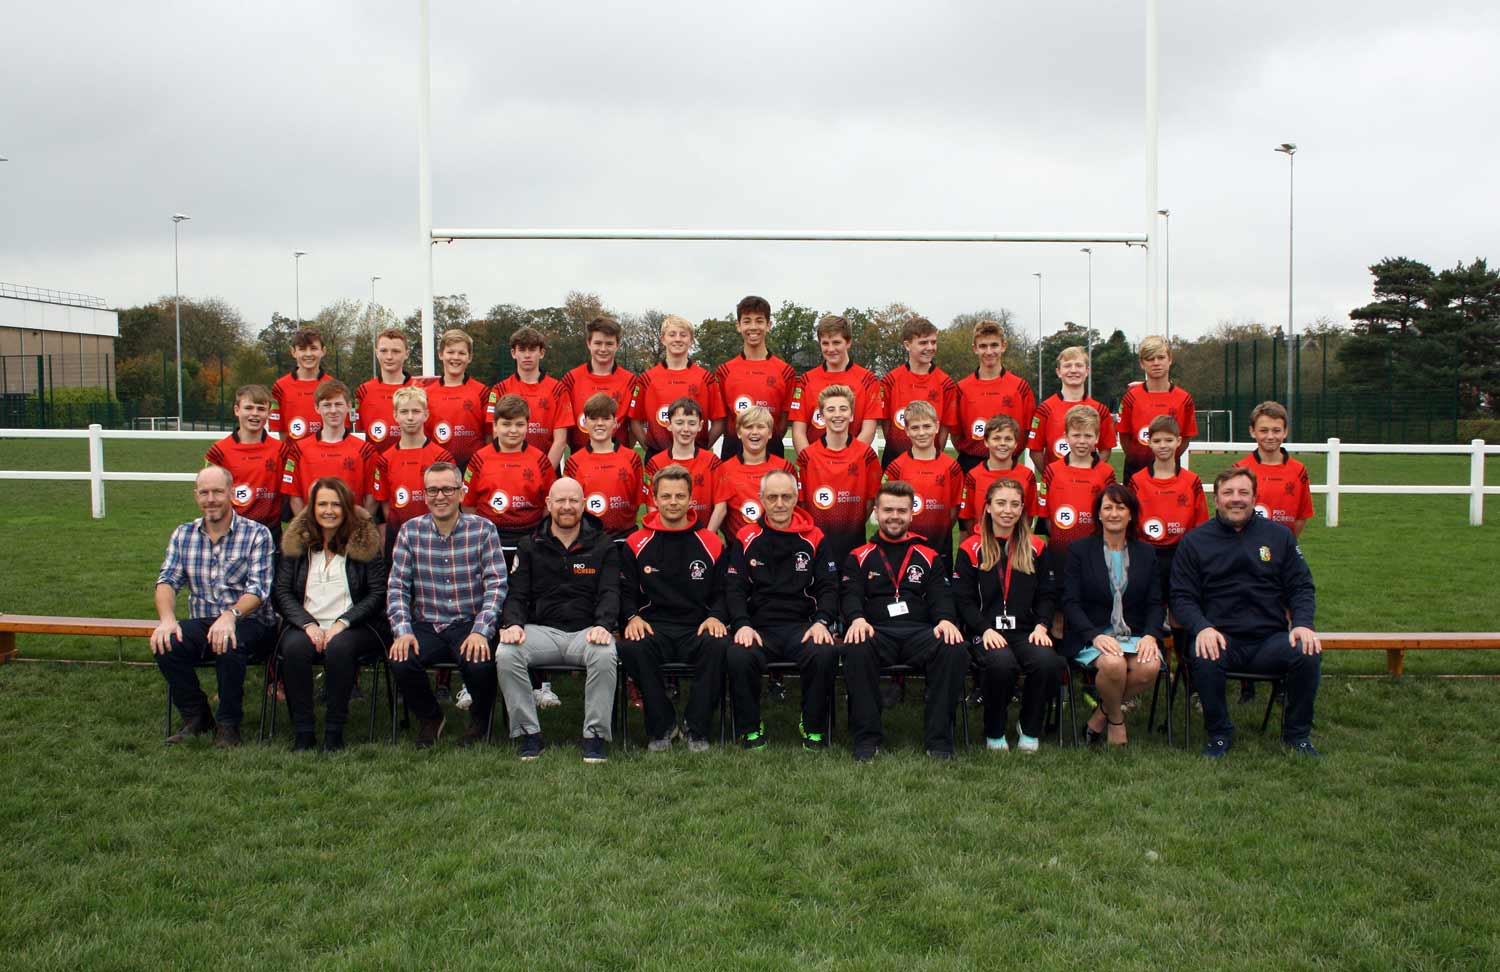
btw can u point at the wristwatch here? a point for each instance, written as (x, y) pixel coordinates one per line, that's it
(236, 612)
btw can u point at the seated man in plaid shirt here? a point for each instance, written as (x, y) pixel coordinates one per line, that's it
(444, 595)
(225, 561)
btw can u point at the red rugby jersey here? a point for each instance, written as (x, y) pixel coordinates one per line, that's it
(804, 403)
(543, 397)
(351, 459)
(704, 468)
(398, 479)
(1140, 406)
(900, 387)
(743, 383)
(980, 399)
(655, 390)
(1049, 432)
(293, 414)
(977, 484)
(1169, 507)
(837, 486)
(509, 488)
(1283, 492)
(578, 386)
(1067, 500)
(256, 468)
(374, 414)
(455, 416)
(738, 486)
(939, 485)
(613, 485)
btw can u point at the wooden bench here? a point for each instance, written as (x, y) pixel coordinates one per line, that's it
(1397, 644)
(120, 629)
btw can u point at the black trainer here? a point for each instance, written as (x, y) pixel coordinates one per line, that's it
(866, 755)
(1217, 747)
(530, 746)
(429, 731)
(304, 742)
(333, 740)
(1303, 747)
(595, 750)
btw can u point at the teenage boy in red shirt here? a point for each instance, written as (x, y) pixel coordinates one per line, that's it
(916, 380)
(398, 485)
(685, 422)
(839, 475)
(1002, 437)
(754, 378)
(1282, 490)
(374, 415)
(293, 412)
(455, 402)
(611, 475)
(1146, 400)
(991, 390)
(600, 373)
(507, 481)
(674, 377)
(935, 476)
(737, 484)
(332, 452)
(542, 392)
(253, 459)
(1070, 486)
(1047, 440)
(834, 338)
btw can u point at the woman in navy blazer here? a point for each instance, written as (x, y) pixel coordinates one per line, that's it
(1112, 604)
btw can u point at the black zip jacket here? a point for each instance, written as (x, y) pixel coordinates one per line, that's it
(364, 568)
(1242, 582)
(868, 590)
(570, 589)
(673, 577)
(1088, 600)
(980, 594)
(780, 577)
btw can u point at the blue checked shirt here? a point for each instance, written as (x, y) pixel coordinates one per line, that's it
(219, 574)
(446, 580)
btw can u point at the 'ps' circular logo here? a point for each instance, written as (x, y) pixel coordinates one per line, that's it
(978, 430)
(1060, 448)
(443, 432)
(817, 418)
(1143, 435)
(403, 496)
(750, 510)
(901, 418)
(243, 494)
(297, 428)
(661, 416)
(742, 403)
(1262, 511)
(916, 503)
(499, 501)
(378, 431)
(1154, 528)
(596, 503)
(1065, 516)
(823, 497)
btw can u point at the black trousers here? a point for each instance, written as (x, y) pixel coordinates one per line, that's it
(1272, 655)
(943, 665)
(679, 645)
(967, 461)
(340, 659)
(178, 665)
(998, 670)
(816, 664)
(438, 647)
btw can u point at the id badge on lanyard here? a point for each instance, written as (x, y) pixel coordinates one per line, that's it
(897, 608)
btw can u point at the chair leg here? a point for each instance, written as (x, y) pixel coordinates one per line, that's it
(1072, 708)
(261, 721)
(168, 731)
(1270, 704)
(963, 708)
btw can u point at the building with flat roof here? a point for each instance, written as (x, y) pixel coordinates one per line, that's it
(54, 338)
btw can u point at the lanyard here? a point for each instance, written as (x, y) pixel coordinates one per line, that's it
(1005, 585)
(895, 575)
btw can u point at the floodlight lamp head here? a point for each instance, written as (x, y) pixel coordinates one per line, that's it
(1037, 274)
(375, 278)
(299, 253)
(1164, 212)
(1290, 148)
(180, 217)
(1086, 249)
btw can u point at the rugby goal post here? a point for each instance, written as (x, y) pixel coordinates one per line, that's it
(429, 235)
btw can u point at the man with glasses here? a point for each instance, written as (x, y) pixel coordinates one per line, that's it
(446, 589)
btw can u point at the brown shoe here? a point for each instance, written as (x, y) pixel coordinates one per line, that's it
(428, 731)
(226, 737)
(199, 725)
(472, 736)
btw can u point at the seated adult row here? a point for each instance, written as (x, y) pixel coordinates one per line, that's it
(680, 595)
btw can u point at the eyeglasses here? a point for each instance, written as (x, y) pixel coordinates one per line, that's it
(436, 491)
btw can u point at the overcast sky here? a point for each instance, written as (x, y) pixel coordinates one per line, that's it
(282, 126)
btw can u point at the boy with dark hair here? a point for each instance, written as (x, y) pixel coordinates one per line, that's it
(1048, 437)
(1144, 401)
(834, 338)
(934, 476)
(754, 378)
(253, 459)
(611, 475)
(839, 475)
(685, 422)
(916, 380)
(673, 378)
(332, 452)
(293, 414)
(374, 415)
(507, 480)
(1282, 490)
(542, 392)
(600, 373)
(456, 402)
(991, 390)
(1002, 436)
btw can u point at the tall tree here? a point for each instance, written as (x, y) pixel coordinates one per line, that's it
(1402, 286)
(794, 335)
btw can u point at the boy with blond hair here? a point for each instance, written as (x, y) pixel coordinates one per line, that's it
(1047, 439)
(1145, 400)
(674, 377)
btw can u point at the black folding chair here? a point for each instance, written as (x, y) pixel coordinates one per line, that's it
(400, 715)
(1184, 676)
(669, 670)
(784, 668)
(209, 663)
(378, 672)
(1054, 708)
(616, 717)
(1086, 674)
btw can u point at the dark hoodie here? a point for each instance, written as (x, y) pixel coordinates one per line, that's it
(780, 577)
(673, 577)
(570, 589)
(922, 574)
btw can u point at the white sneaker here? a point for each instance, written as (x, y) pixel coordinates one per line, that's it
(464, 699)
(997, 745)
(546, 698)
(1027, 744)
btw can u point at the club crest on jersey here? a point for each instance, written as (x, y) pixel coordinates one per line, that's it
(914, 574)
(1265, 554)
(1154, 528)
(377, 431)
(297, 428)
(499, 501)
(596, 503)
(697, 570)
(1065, 516)
(243, 494)
(442, 432)
(823, 497)
(802, 561)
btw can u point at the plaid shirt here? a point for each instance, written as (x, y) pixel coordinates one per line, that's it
(444, 580)
(219, 573)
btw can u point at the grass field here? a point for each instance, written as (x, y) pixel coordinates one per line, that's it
(121, 854)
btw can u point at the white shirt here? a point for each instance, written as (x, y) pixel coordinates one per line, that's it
(327, 595)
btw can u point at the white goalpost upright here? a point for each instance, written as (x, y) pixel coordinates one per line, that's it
(429, 235)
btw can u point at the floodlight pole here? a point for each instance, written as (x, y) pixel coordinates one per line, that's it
(1038, 277)
(370, 326)
(1153, 98)
(1090, 251)
(1166, 237)
(297, 256)
(177, 220)
(1290, 150)
(424, 180)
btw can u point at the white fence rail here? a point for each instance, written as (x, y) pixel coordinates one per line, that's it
(1333, 489)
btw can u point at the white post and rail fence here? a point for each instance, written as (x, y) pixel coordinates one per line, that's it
(1333, 489)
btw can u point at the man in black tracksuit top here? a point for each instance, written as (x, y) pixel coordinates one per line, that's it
(1235, 580)
(898, 609)
(672, 596)
(782, 578)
